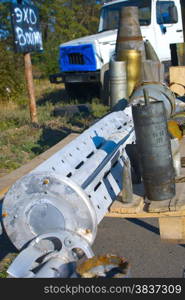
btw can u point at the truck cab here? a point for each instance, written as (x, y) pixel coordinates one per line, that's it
(84, 61)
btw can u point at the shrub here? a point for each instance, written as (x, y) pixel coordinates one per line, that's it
(12, 83)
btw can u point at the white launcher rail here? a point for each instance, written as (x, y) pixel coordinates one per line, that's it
(55, 209)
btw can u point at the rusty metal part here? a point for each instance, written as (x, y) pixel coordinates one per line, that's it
(183, 162)
(129, 32)
(104, 266)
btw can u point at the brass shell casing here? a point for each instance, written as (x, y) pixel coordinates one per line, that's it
(133, 67)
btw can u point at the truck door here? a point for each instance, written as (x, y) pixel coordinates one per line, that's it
(168, 27)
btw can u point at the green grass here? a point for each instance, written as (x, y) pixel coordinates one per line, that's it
(98, 109)
(5, 263)
(3, 273)
(20, 141)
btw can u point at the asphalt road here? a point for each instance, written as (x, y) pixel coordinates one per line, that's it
(138, 240)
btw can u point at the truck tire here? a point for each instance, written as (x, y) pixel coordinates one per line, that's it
(70, 89)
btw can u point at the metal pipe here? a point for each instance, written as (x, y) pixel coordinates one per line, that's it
(157, 92)
(118, 82)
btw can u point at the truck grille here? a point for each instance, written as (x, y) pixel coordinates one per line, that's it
(76, 59)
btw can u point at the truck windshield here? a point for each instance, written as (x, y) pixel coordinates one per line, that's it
(166, 12)
(109, 18)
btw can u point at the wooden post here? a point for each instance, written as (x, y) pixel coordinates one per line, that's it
(25, 23)
(30, 87)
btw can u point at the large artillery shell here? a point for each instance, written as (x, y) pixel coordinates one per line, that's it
(133, 61)
(154, 149)
(129, 32)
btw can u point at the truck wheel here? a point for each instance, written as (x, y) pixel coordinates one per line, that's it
(70, 89)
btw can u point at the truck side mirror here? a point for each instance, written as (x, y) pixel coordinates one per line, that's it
(163, 28)
(173, 14)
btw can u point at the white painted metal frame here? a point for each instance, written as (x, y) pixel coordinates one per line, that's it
(69, 193)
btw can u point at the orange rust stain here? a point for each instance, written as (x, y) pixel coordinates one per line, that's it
(5, 214)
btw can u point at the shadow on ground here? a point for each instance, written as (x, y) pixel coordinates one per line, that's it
(78, 94)
(147, 226)
(50, 137)
(6, 247)
(54, 97)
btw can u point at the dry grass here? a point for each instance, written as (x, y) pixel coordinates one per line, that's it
(20, 141)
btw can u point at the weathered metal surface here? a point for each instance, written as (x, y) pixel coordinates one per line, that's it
(127, 192)
(73, 189)
(154, 150)
(54, 250)
(177, 54)
(175, 146)
(36, 207)
(68, 194)
(104, 266)
(65, 197)
(1, 229)
(118, 82)
(130, 45)
(157, 92)
(152, 71)
(150, 52)
(129, 32)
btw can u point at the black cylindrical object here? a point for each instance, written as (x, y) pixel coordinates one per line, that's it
(177, 54)
(154, 149)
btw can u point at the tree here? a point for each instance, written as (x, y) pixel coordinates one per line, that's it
(62, 21)
(11, 64)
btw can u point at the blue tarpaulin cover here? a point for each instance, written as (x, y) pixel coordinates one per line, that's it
(87, 53)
